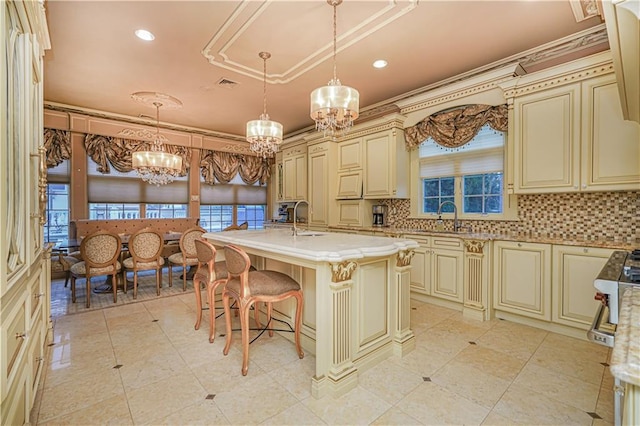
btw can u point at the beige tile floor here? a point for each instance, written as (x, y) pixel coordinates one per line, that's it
(143, 363)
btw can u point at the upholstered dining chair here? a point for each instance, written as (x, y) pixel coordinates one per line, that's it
(145, 247)
(248, 287)
(67, 260)
(187, 255)
(100, 252)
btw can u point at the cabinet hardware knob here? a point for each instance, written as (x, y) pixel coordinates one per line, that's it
(38, 295)
(575, 186)
(586, 250)
(39, 359)
(519, 244)
(22, 335)
(584, 186)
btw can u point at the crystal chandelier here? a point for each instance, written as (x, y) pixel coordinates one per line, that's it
(334, 107)
(157, 166)
(264, 135)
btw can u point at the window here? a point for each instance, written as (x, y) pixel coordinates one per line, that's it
(126, 196)
(470, 177)
(216, 218)
(114, 211)
(166, 211)
(57, 226)
(58, 202)
(232, 203)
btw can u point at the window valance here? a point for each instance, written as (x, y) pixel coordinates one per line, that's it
(454, 128)
(223, 167)
(58, 146)
(107, 150)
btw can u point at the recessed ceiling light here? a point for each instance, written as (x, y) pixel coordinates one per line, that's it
(145, 35)
(380, 63)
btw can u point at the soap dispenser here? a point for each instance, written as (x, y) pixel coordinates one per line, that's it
(439, 224)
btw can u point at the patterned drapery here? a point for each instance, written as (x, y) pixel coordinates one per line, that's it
(223, 167)
(105, 150)
(58, 146)
(454, 128)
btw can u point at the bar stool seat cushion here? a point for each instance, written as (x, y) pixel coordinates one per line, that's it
(266, 283)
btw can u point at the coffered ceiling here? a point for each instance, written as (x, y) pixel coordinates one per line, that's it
(205, 53)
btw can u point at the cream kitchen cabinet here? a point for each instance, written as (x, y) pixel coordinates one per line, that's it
(522, 278)
(437, 268)
(547, 140)
(573, 138)
(354, 213)
(350, 169)
(386, 165)
(421, 265)
(321, 157)
(574, 270)
(610, 145)
(25, 262)
(294, 173)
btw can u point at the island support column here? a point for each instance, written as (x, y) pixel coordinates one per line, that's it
(403, 339)
(335, 372)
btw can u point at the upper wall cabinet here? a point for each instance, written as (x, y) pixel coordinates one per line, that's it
(294, 173)
(386, 165)
(623, 29)
(573, 138)
(350, 169)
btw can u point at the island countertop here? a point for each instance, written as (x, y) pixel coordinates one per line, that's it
(314, 246)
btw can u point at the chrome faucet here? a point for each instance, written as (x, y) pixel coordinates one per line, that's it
(295, 216)
(456, 225)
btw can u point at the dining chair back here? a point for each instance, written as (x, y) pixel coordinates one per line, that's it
(249, 287)
(100, 252)
(145, 247)
(187, 255)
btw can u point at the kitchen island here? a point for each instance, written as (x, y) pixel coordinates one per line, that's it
(356, 296)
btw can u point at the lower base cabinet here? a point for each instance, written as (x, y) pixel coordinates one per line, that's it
(437, 267)
(522, 278)
(574, 270)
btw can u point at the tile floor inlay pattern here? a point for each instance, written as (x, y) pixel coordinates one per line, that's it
(143, 363)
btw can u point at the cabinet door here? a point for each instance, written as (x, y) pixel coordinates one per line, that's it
(611, 145)
(350, 154)
(547, 141)
(288, 179)
(421, 269)
(523, 279)
(379, 159)
(318, 188)
(351, 213)
(574, 270)
(446, 274)
(300, 177)
(349, 185)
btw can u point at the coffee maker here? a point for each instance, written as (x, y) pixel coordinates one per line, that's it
(379, 215)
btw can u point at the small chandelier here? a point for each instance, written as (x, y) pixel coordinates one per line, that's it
(157, 166)
(334, 107)
(264, 135)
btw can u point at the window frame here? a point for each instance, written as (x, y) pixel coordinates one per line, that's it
(509, 201)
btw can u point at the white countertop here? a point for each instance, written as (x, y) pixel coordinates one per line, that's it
(625, 358)
(315, 246)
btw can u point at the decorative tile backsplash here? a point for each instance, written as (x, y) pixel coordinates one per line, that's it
(580, 216)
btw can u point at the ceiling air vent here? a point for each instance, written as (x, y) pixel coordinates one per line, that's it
(226, 83)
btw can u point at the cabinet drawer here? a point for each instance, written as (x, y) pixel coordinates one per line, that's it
(447, 243)
(14, 339)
